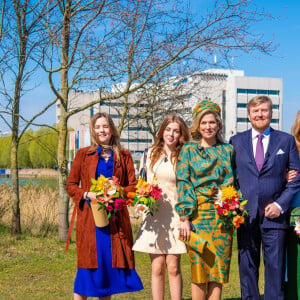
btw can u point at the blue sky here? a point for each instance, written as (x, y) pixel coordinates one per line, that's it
(283, 63)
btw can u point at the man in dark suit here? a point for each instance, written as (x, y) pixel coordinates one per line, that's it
(263, 156)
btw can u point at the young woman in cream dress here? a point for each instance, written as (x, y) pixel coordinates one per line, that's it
(158, 234)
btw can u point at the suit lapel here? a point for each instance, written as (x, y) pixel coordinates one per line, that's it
(249, 146)
(273, 143)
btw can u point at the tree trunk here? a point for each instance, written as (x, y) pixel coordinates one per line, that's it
(63, 204)
(63, 129)
(16, 218)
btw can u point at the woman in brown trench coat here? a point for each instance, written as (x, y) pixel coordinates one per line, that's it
(105, 261)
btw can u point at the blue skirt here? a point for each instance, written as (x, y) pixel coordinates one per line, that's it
(105, 280)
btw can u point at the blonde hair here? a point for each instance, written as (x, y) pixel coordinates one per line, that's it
(257, 100)
(158, 145)
(296, 130)
(195, 133)
(114, 142)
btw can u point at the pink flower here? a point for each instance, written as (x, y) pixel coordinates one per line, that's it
(119, 203)
(156, 192)
(109, 208)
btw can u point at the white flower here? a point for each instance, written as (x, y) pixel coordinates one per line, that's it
(297, 227)
(218, 198)
(111, 188)
(141, 209)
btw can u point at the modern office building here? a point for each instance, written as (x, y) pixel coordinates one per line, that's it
(231, 89)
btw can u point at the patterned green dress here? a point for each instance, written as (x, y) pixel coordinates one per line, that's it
(200, 173)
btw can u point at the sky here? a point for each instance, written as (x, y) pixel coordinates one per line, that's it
(283, 63)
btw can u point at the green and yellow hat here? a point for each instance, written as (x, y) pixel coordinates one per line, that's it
(206, 104)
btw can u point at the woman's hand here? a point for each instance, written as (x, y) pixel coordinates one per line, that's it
(291, 174)
(185, 230)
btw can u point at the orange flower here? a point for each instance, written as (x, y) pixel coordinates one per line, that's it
(131, 194)
(225, 212)
(237, 221)
(144, 189)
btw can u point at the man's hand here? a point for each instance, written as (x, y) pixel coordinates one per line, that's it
(272, 211)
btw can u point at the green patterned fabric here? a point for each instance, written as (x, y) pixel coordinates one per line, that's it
(200, 173)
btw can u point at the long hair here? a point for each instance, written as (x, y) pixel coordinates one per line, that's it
(157, 148)
(114, 142)
(195, 133)
(296, 130)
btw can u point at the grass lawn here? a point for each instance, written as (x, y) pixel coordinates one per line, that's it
(38, 268)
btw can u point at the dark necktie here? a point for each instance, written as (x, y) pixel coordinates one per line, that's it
(259, 155)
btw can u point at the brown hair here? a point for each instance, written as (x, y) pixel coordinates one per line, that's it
(114, 142)
(257, 100)
(195, 133)
(157, 147)
(296, 130)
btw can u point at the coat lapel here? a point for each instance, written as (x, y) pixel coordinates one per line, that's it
(93, 161)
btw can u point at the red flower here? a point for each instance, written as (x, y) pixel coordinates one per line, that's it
(156, 192)
(129, 202)
(220, 211)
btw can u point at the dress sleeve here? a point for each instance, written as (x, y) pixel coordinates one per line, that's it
(229, 178)
(187, 200)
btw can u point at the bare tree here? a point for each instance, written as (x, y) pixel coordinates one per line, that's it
(97, 44)
(18, 49)
(2, 18)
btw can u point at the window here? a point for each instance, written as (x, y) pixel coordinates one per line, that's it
(274, 93)
(135, 128)
(257, 92)
(136, 140)
(275, 121)
(241, 105)
(242, 120)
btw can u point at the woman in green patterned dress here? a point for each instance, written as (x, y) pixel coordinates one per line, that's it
(204, 167)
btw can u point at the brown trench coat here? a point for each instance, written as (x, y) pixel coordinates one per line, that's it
(79, 181)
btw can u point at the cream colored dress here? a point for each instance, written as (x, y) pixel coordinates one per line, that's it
(159, 233)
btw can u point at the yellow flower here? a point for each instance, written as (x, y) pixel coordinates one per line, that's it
(229, 192)
(144, 200)
(140, 182)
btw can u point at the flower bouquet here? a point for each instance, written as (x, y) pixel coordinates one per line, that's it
(230, 207)
(109, 199)
(145, 197)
